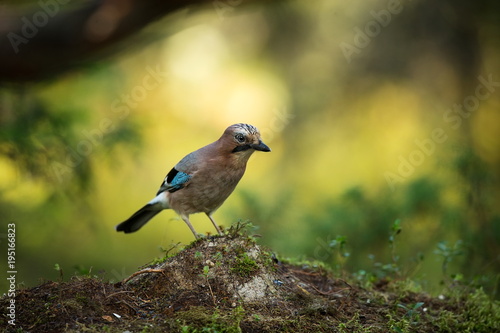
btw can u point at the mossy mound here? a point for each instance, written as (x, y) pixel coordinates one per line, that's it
(231, 284)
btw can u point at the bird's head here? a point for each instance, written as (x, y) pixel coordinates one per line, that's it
(244, 139)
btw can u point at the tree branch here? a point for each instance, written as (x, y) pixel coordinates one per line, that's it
(52, 36)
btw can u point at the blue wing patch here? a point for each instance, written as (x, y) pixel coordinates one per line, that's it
(174, 181)
(179, 181)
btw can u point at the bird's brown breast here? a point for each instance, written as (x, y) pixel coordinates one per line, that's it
(207, 190)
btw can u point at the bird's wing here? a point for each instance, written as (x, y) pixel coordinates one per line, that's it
(174, 181)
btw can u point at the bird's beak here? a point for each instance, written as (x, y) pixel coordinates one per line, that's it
(261, 146)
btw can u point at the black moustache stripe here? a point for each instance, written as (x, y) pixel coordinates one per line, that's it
(241, 148)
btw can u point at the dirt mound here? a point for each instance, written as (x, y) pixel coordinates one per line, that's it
(231, 284)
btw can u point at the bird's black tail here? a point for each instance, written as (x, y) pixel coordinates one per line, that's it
(140, 218)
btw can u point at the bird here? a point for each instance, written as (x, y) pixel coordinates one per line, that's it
(203, 179)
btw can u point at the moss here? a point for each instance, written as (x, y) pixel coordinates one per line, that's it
(200, 319)
(307, 264)
(244, 266)
(353, 325)
(478, 314)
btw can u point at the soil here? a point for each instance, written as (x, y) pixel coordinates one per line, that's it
(231, 284)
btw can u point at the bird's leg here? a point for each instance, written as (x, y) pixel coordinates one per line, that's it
(215, 224)
(185, 218)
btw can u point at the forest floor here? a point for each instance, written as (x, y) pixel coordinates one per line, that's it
(231, 284)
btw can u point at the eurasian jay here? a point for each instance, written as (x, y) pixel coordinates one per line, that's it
(202, 180)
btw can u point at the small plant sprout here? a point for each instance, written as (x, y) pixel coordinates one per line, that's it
(206, 271)
(58, 268)
(395, 230)
(449, 253)
(412, 312)
(218, 256)
(385, 270)
(198, 255)
(338, 246)
(339, 243)
(206, 275)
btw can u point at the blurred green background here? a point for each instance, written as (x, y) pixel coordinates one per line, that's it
(376, 111)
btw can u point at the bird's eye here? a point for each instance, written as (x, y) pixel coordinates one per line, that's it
(239, 137)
